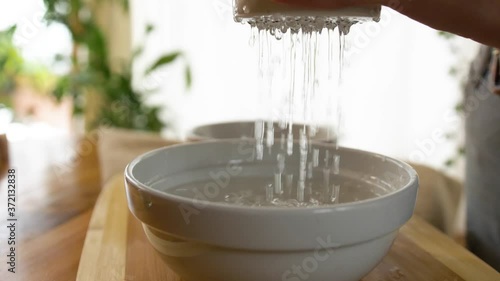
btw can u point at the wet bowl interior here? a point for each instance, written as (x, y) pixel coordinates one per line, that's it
(208, 241)
(246, 129)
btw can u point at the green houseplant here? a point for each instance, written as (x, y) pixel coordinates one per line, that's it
(11, 65)
(17, 73)
(461, 75)
(121, 105)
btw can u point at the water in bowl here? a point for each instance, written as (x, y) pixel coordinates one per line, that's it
(323, 189)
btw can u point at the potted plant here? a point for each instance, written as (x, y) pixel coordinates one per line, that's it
(114, 109)
(92, 77)
(25, 87)
(11, 64)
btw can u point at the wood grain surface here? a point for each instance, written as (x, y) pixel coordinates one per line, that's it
(420, 253)
(59, 183)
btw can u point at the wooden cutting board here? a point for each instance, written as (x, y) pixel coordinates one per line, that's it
(117, 249)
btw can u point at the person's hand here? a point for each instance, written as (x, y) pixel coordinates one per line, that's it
(476, 19)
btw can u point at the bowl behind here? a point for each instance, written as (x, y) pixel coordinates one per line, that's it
(245, 129)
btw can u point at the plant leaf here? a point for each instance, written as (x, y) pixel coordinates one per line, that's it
(10, 32)
(61, 88)
(126, 5)
(149, 28)
(164, 60)
(461, 150)
(446, 35)
(137, 52)
(59, 58)
(188, 76)
(449, 162)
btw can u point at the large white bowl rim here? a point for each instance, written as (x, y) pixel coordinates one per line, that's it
(265, 228)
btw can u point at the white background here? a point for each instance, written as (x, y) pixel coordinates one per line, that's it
(400, 92)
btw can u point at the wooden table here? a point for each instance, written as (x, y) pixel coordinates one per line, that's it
(57, 186)
(55, 201)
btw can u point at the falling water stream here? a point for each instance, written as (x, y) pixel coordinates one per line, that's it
(289, 51)
(300, 69)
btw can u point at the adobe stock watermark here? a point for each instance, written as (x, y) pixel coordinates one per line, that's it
(28, 27)
(223, 9)
(219, 180)
(426, 147)
(87, 145)
(368, 31)
(311, 263)
(153, 81)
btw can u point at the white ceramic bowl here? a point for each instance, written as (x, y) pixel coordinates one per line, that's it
(245, 129)
(206, 241)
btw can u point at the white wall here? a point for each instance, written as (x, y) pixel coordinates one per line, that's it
(38, 42)
(399, 91)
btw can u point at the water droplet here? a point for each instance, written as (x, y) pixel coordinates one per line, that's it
(316, 157)
(292, 74)
(259, 149)
(288, 184)
(335, 193)
(278, 189)
(281, 163)
(290, 143)
(270, 136)
(300, 191)
(146, 200)
(269, 193)
(278, 34)
(336, 164)
(253, 37)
